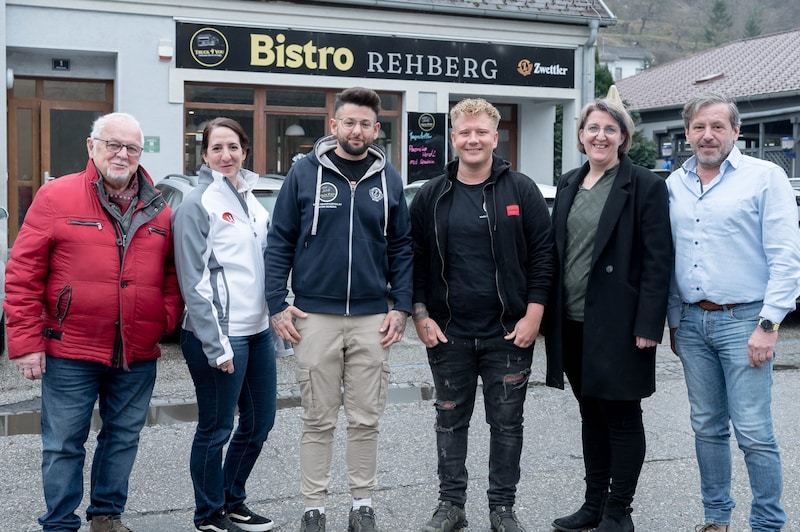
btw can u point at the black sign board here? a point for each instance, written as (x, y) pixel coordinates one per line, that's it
(215, 47)
(427, 145)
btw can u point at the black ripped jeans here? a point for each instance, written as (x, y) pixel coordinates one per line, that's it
(504, 370)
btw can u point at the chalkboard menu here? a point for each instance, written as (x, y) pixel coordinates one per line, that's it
(427, 145)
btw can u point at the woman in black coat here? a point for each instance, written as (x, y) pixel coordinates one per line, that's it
(607, 311)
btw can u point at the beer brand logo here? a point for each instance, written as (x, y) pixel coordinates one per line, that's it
(525, 67)
(209, 47)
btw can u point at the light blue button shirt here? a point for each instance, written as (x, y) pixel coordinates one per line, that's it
(736, 238)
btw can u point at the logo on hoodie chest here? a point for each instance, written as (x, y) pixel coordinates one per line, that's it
(327, 196)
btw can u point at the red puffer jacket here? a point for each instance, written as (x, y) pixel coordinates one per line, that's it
(73, 277)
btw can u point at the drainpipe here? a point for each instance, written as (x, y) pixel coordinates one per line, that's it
(587, 87)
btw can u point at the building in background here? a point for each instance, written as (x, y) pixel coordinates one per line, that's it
(276, 67)
(761, 73)
(624, 61)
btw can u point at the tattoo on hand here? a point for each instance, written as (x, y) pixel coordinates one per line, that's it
(281, 316)
(399, 323)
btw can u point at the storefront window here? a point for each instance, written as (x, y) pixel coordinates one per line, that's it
(220, 95)
(196, 120)
(295, 98)
(283, 122)
(290, 138)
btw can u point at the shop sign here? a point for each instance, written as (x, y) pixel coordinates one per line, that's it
(427, 142)
(213, 47)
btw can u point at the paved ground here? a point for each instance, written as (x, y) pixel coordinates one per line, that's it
(161, 498)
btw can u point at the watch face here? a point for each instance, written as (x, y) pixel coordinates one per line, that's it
(767, 325)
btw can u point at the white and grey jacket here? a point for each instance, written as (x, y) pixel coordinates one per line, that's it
(220, 241)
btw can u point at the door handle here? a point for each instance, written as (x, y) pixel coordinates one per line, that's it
(47, 177)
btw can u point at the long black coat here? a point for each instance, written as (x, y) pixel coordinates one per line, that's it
(627, 288)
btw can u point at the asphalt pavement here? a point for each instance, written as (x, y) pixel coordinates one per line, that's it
(161, 497)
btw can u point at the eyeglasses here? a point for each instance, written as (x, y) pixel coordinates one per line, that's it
(116, 147)
(350, 123)
(610, 131)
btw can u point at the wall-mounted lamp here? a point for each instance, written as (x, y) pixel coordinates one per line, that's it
(9, 79)
(787, 143)
(165, 49)
(666, 152)
(295, 130)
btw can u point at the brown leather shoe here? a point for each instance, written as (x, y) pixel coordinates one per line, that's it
(107, 523)
(711, 527)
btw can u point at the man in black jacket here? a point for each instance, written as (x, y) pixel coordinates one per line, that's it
(482, 270)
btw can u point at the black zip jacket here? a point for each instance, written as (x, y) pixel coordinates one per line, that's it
(521, 235)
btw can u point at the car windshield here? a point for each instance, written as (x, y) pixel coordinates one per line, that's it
(267, 199)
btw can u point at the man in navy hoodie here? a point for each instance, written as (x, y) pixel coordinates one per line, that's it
(341, 227)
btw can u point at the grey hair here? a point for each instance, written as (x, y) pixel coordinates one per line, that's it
(698, 101)
(99, 125)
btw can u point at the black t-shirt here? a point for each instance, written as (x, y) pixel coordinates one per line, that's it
(470, 270)
(352, 170)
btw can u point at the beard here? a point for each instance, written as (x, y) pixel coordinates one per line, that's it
(715, 160)
(351, 150)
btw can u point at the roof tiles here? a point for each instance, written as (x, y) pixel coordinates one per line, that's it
(758, 66)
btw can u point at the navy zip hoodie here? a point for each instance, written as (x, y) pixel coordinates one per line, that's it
(348, 247)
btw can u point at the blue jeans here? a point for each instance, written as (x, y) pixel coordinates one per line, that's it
(724, 389)
(69, 391)
(253, 388)
(504, 370)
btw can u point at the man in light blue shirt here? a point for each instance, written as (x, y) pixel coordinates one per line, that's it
(737, 275)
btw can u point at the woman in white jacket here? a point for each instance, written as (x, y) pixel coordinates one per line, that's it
(220, 237)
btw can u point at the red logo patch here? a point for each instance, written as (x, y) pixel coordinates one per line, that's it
(512, 210)
(228, 217)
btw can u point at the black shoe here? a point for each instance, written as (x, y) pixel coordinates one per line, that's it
(503, 519)
(312, 521)
(248, 520)
(218, 522)
(616, 520)
(584, 519)
(447, 518)
(362, 520)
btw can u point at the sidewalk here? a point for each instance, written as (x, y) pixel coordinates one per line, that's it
(161, 498)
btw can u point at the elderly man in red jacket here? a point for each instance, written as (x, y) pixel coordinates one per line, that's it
(91, 289)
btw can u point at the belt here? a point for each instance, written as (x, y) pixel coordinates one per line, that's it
(708, 305)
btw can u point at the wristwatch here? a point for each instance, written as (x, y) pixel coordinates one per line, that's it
(768, 325)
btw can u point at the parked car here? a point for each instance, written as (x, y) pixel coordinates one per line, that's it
(266, 190)
(548, 191)
(175, 187)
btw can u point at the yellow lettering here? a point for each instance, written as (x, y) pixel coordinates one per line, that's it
(343, 59)
(264, 51)
(308, 51)
(294, 56)
(261, 53)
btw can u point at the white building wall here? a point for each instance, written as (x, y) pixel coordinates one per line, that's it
(118, 40)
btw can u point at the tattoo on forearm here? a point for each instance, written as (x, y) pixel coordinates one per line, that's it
(420, 312)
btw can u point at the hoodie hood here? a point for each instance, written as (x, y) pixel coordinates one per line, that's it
(319, 157)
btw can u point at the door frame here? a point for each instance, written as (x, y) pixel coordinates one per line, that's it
(40, 108)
